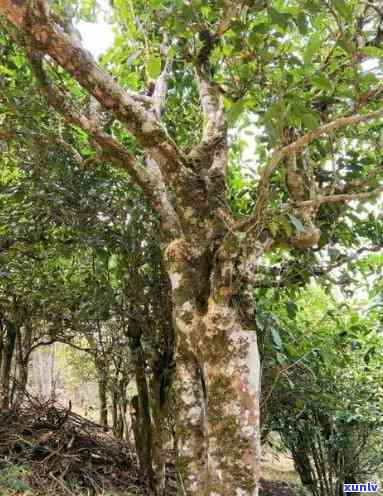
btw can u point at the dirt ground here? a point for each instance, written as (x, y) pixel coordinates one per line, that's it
(279, 477)
(277, 488)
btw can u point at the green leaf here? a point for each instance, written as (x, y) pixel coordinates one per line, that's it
(321, 82)
(312, 6)
(373, 51)
(281, 359)
(153, 66)
(301, 22)
(310, 120)
(273, 228)
(279, 18)
(346, 44)
(312, 48)
(343, 9)
(261, 28)
(287, 228)
(156, 4)
(235, 111)
(368, 79)
(4, 70)
(276, 338)
(292, 309)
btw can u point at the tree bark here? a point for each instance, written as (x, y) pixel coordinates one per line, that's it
(114, 409)
(119, 406)
(232, 382)
(122, 408)
(160, 413)
(102, 396)
(2, 336)
(9, 342)
(142, 408)
(217, 381)
(23, 345)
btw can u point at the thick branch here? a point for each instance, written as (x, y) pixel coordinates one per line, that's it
(152, 185)
(161, 84)
(213, 113)
(42, 31)
(214, 123)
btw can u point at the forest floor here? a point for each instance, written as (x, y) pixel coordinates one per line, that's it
(47, 450)
(279, 477)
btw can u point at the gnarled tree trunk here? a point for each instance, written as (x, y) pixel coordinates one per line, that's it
(217, 380)
(217, 361)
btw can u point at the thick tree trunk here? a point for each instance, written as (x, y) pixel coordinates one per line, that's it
(2, 337)
(217, 382)
(232, 381)
(9, 342)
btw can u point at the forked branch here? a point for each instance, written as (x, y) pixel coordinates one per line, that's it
(296, 148)
(151, 184)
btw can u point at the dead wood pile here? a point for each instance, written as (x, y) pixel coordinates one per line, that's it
(65, 453)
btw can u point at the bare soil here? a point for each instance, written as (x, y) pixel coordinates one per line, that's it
(277, 488)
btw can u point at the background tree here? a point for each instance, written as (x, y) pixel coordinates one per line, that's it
(322, 387)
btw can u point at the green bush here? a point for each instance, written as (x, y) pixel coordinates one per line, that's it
(323, 389)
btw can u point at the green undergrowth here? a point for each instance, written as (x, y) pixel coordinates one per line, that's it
(14, 480)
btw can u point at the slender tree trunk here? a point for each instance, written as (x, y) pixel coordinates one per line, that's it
(102, 396)
(160, 413)
(160, 383)
(114, 409)
(2, 337)
(217, 382)
(135, 418)
(121, 409)
(143, 417)
(23, 344)
(6, 364)
(120, 425)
